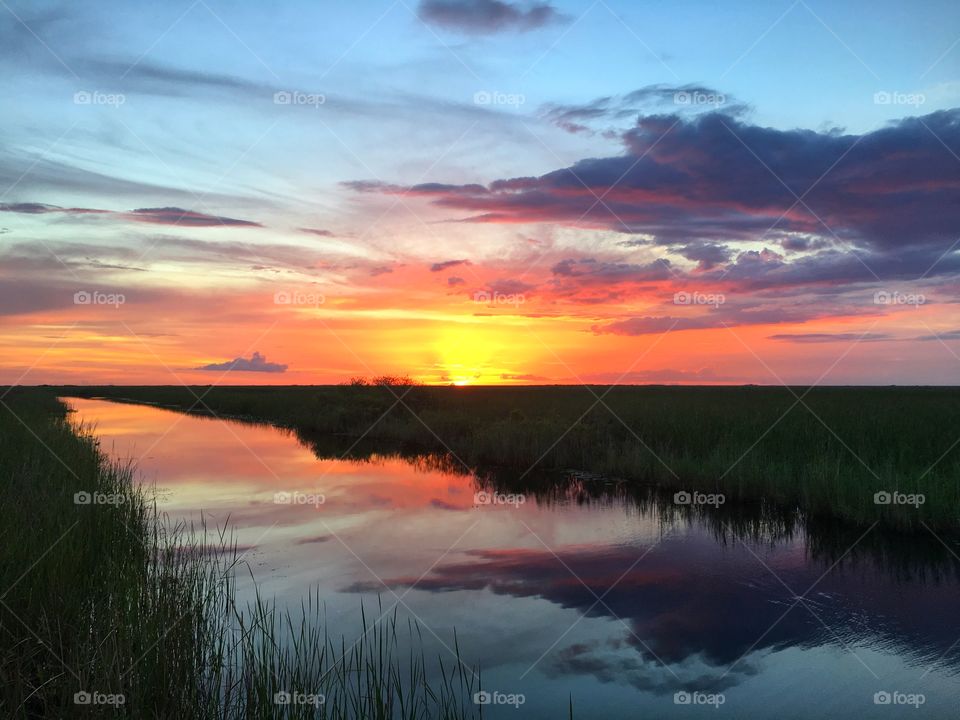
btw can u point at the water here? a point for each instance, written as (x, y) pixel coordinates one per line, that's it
(615, 597)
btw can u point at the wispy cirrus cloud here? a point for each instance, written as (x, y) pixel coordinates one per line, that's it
(831, 337)
(186, 218)
(611, 111)
(156, 216)
(747, 312)
(34, 208)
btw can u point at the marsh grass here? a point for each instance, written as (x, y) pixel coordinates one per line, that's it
(825, 451)
(105, 598)
(382, 675)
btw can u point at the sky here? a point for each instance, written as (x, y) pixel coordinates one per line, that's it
(480, 192)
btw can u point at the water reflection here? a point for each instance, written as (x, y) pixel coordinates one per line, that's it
(609, 592)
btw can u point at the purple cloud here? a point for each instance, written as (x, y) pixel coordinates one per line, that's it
(885, 201)
(316, 231)
(256, 363)
(487, 16)
(446, 265)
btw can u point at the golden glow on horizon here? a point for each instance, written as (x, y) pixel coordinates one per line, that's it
(166, 341)
(465, 353)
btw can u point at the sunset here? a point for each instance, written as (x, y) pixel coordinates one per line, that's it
(572, 359)
(493, 199)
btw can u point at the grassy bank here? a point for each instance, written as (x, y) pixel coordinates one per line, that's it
(827, 453)
(105, 611)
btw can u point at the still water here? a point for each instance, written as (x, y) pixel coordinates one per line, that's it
(572, 586)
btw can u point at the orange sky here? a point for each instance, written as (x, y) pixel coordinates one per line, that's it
(307, 196)
(411, 321)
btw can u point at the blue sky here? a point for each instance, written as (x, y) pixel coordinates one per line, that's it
(397, 86)
(412, 121)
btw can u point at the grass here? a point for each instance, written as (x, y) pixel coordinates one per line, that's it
(104, 598)
(825, 451)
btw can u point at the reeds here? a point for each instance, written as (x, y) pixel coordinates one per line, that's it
(106, 610)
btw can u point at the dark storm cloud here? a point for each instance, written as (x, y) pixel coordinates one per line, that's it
(487, 16)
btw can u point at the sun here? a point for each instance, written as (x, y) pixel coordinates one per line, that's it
(466, 355)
